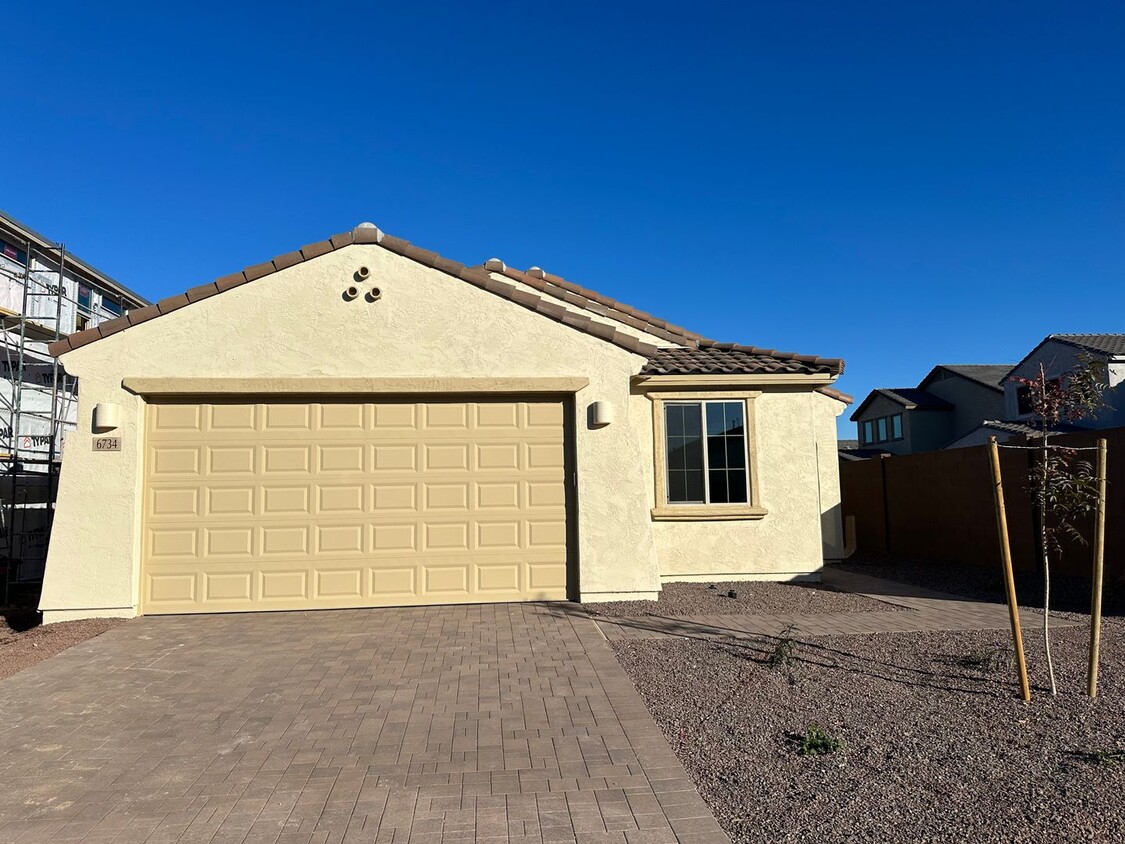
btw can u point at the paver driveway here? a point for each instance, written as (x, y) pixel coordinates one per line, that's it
(505, 722)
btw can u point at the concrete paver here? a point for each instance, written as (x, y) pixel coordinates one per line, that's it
(499, 723)
(930, 611)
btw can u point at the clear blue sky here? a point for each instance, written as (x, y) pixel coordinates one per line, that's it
(900, 184)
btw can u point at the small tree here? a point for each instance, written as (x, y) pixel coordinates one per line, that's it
(1063, 488)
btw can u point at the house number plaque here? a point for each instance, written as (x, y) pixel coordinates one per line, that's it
(107, 443)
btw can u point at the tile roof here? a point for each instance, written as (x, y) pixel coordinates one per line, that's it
(1111, 344)
(710, 357)
(1028, 430)
(989, 374)
(911, 398)
(833, 393)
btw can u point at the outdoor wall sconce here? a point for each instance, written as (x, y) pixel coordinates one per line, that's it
(107, 417)
(600, 414)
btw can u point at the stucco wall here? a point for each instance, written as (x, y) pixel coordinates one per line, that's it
(973, 403)
(787, 542)
(296, 324)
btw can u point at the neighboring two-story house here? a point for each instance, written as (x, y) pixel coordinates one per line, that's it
(959, 405)
(951, 401)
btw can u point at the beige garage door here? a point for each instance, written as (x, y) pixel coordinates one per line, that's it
(299, 504)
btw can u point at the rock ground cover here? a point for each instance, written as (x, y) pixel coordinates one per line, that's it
(753, 598)
(24, 642)
(936, 746)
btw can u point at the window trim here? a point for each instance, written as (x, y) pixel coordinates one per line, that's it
(667, 511)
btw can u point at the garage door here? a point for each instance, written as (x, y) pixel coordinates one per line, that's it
(307, 504)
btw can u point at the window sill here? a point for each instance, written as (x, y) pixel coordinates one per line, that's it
(707, 513)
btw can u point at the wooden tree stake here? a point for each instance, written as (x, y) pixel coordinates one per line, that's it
(1099, 566)
(1009, 577)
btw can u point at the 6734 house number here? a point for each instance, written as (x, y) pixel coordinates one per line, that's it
(107, 443)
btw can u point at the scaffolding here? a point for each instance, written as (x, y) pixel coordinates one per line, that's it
(37, 405)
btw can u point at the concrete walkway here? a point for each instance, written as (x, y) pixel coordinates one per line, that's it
(929, 611)
(497, 723)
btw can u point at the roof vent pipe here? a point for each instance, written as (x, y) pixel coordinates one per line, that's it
(495, 264)
(536, 272)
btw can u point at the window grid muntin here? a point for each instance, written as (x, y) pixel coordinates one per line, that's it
(702, 405)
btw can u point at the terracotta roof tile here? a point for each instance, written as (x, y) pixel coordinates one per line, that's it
(729, 359)
(315, 250)
(554, 286)
(140, 315)
(112, 326)
(226, 282)
(259, 270)
(172, 303)
(204, 291)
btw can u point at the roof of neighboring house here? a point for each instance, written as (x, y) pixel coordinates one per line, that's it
(1110, 344)
(910, 398)
(7, 221)
(1013, 429)
(990, 375)
(1029, 430)
(850, 450)
(719, 357)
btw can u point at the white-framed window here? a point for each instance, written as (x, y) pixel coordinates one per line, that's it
(705, 452)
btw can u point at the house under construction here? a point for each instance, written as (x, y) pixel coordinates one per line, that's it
(46, 293)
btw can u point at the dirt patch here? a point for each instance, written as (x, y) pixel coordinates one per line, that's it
(935, 745)
(753, 598)
(24, 642)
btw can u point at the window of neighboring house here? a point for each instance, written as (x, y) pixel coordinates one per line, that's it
(83, 298)
(111, 305)
(706, 452)
(896, 427)
(868, 432)
(707, 459)
(9, 251)
(881, 427)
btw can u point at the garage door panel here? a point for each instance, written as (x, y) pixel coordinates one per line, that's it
(291, 505)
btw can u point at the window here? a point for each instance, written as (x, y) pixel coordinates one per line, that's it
(705, 467)
(706, 452)
(881, 430)
(111, 305)
(9, 251)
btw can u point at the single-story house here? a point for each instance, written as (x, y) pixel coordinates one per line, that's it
(364, 423)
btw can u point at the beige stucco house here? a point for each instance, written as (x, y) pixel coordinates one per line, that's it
(364, 423)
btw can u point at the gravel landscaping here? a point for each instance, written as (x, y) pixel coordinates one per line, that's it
(23, 642)
(987, 584)
(936, 745)
(753, 598)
